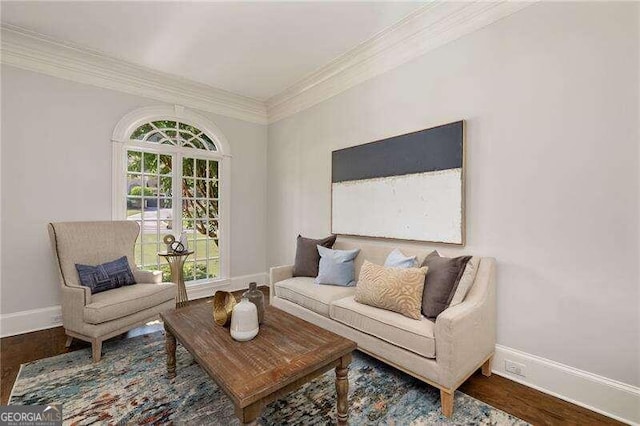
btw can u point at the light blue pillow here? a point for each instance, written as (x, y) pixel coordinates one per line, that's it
(398, 260)
(336, 267)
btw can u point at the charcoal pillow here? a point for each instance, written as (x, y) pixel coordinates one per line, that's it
(440, 283)
(106, 276)
(337, 267)
(307, 256)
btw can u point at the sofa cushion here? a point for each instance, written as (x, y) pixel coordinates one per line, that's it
(466, 282)
(305, 292)
(123, 301)
(440, 285)
(406, 333)
(397, 259)
(336, 267)
(307, 256)
(106, 276)
(394, 289)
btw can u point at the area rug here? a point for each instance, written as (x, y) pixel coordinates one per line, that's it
(129, 386)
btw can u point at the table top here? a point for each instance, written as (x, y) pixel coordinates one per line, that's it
(286, 349)
(184, 253)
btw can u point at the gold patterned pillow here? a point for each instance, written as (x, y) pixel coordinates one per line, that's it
(394, 289)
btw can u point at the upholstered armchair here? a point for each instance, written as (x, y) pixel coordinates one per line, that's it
(100, 316)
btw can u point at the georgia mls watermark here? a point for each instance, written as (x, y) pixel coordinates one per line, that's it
(31, 415)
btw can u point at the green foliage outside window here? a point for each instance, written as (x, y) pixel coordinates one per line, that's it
(200, 270)
(137, 191)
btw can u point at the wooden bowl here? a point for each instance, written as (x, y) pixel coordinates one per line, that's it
(223, 303)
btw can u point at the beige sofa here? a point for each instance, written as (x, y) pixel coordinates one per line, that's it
(443, 354)
(97, 317)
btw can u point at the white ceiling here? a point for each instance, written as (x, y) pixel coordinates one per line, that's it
(255, 49)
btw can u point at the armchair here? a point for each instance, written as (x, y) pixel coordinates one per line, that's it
(97, 317)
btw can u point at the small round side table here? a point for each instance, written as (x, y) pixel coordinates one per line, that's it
(176, 263)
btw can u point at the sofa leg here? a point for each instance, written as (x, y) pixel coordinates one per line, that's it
(486, 367)
(446, 401)
(68, 342)
(96, 349)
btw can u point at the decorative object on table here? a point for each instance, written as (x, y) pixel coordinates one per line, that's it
(337, 267)
(183, 240)
(223, 303)
(307, 257)
(168, 240)
(256, 297)
(176, 247)
(176, 263)
(244, 321)
(417, 179)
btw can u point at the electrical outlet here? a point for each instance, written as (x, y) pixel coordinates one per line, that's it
(56, 319)
(515, 368)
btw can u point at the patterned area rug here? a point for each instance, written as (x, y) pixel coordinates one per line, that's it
(129, 386)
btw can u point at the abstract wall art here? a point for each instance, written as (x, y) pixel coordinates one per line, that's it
(406, 187)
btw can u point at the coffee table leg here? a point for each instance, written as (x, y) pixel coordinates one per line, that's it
(170, 345)
(249, 415)
(342, 388)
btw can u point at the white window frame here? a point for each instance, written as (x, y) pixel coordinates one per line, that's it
(121, 143)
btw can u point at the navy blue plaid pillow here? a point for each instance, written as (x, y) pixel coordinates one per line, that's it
(107, 276)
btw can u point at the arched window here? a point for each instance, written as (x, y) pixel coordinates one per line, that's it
(171, 175)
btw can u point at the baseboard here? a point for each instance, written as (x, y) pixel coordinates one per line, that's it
(198, 291)
(609, 397)
(31, 320)
(49, 317)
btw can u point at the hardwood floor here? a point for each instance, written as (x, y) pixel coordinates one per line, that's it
(531, 405)
(528, 404)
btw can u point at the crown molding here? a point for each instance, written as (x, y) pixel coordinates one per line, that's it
(426, 29)
(36, 52)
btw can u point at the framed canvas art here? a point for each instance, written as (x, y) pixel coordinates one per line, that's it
(406, 187)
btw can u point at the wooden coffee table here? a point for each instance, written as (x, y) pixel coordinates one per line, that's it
(287, 353)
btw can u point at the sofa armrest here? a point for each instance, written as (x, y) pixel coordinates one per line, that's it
(466, 333)
(277, 274)
(280, 273)
(81, 293)
(74, 299)
(147, 277)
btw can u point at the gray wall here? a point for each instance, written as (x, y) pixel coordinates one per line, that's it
(56, 166)
(550, 96)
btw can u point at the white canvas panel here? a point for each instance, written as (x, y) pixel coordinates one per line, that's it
(422, 206)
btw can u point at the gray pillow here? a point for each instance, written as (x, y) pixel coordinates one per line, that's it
(440, 283)
(307, 257)
(336, 267)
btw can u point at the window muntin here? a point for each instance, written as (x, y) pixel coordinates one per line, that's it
(201, 216)
(176, 133)
(150, 203)
(180, 156)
